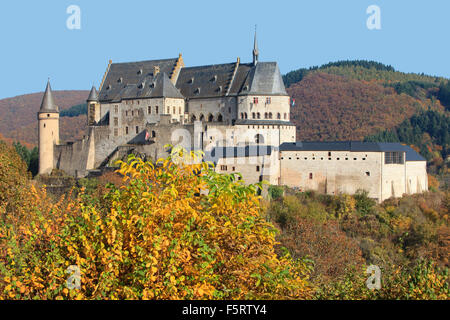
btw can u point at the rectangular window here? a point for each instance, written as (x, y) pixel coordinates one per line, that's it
(257, 169)
(156, 109)
(149, 110)
(126, 130)
(310, 176)
(268, 100)
(255, 100)
(223, 168)
(116, 122)
(116, 132)
(393, 157)
(137, 129)
(116, 109)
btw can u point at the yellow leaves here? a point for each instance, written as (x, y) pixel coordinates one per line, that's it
(156, 227)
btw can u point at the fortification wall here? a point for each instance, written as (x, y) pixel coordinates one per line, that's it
(252, 169)
(72, 158)
(393, 180)
(416, 176)
(331, 173)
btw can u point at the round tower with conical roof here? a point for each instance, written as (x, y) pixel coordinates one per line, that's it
(48, 118)
(93, 107)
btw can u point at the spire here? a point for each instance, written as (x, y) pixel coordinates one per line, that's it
(47, 101)
(255, 50)
(93, 95)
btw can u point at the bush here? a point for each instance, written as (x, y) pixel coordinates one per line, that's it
(330, 249)
(275, 192)
(174, 231)
(364, 205)
(424, 281)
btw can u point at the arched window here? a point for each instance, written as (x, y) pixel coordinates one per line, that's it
(245, 115)
(278, 115)
(242, 115)
(259, 138)
(253, 115)
(265, 115)
(258, 115)
(193, 118)
(219, 118)
(210, 118)
(285, 116)
(270, 115)
(202, 117)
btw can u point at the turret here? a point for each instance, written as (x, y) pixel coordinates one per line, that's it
(93, 107)
(48, 119)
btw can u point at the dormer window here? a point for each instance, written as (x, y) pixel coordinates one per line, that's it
(219, 88)
(140, 71)
(197, 91)
(214, 79)
(191, 80)
(108, 87)
(120, 80)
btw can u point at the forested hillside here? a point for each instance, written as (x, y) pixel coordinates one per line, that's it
(353, 99)
(428, 131)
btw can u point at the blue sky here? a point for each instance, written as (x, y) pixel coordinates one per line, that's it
(36, 43)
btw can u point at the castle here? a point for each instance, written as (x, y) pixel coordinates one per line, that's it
(237, 113)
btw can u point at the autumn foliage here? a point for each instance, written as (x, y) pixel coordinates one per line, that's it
(173, 231)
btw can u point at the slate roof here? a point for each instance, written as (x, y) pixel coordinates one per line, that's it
(240, 151)
(264, 78)
(352, 146)
(213, 81)
(122, 75)
(194, 82)
(48, 104)
(93, 95)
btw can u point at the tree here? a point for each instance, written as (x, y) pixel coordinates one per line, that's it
(175, 230)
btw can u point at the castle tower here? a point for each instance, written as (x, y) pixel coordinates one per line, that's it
(48, 119)
(93, 107)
